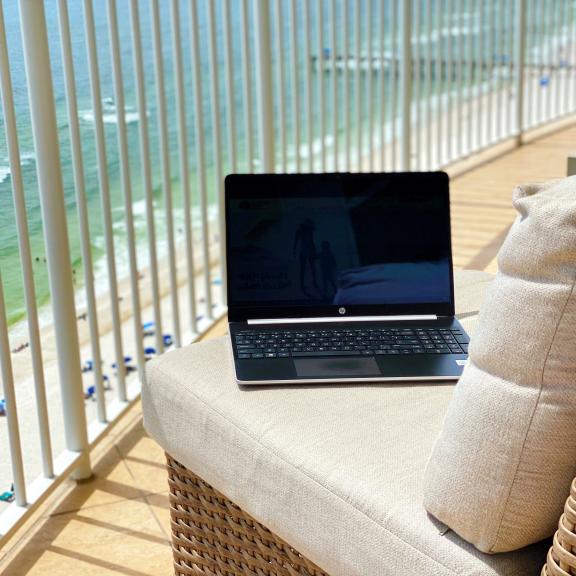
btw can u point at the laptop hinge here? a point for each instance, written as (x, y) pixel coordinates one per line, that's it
(343, 319)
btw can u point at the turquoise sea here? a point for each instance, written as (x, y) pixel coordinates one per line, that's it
(443, 24)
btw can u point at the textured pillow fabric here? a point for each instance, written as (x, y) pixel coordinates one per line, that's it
(501, 468)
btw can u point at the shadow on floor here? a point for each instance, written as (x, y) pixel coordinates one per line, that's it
(115, 523)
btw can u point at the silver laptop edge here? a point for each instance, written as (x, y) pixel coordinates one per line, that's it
(346, 319)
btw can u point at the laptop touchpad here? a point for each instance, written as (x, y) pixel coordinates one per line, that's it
(336, 367)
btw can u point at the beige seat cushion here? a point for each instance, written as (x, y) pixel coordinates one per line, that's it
(502, 466)
(334, 470)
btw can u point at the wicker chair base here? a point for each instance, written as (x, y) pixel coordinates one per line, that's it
(211, 535)
(562, 556)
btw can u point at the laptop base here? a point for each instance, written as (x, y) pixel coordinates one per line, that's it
(354, 366)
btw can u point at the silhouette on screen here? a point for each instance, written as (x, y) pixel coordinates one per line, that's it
(374, 245)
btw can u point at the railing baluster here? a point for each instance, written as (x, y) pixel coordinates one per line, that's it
(557, 23)
(358, 85)
(439, 83)
(45, 132)
(25, 252)
(541, 32)
(183, 160)
(230, 104)
(279, 65)
(490, 70)
(501, 103)
(533, 87)
(308, 104)
(562, 92)
(78, 169)
(417, 83)
(295, 85)
(406, 85)
(459, 75)
(126, 185)
(247, 85)
(382, 84)
(165, 165)
(333, 53)
(520, 59)
(216, 141)
(470, 75)
(449, 135)
(369, 82)
(105, 195)
(394, 83)
(429, 91)
(346, 77)
(10, 397)
(264, 85)
(531, 92)
(146, 171)
(480, 65)
(573, 83)
(510, 65)
(321, 108)
(200, 154)
(550, 71)
(570, 77)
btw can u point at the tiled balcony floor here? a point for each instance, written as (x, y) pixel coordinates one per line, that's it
(118, 523)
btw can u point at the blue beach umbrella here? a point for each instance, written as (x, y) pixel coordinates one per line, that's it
(148, 328)
(88, 366)
(127, 360)
(8, 496)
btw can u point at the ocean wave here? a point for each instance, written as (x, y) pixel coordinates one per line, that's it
(4, 173)
(110, 113)
(26, 158)
(138, 208)
(316, 147)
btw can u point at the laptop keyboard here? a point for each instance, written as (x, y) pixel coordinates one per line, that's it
(301, 343)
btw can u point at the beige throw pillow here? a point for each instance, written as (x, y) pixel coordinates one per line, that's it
(502, 466)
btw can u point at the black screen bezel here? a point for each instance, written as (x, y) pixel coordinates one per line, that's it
(237, 186)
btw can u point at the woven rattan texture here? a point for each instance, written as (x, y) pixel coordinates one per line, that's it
(211, 535)
(562, 556)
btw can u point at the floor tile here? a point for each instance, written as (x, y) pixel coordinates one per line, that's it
(145, 461)
(116, 538)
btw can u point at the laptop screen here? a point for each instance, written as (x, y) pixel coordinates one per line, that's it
(334, 244)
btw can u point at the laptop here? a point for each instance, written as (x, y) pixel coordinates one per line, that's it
(341, 278)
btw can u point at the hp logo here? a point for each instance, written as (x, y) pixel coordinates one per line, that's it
(342, 310)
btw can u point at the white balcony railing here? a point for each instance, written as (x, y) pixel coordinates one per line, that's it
(121, 118)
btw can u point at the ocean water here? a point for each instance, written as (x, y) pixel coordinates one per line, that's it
(448, 24)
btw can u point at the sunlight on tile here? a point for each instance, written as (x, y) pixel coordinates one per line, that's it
(119, 538)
